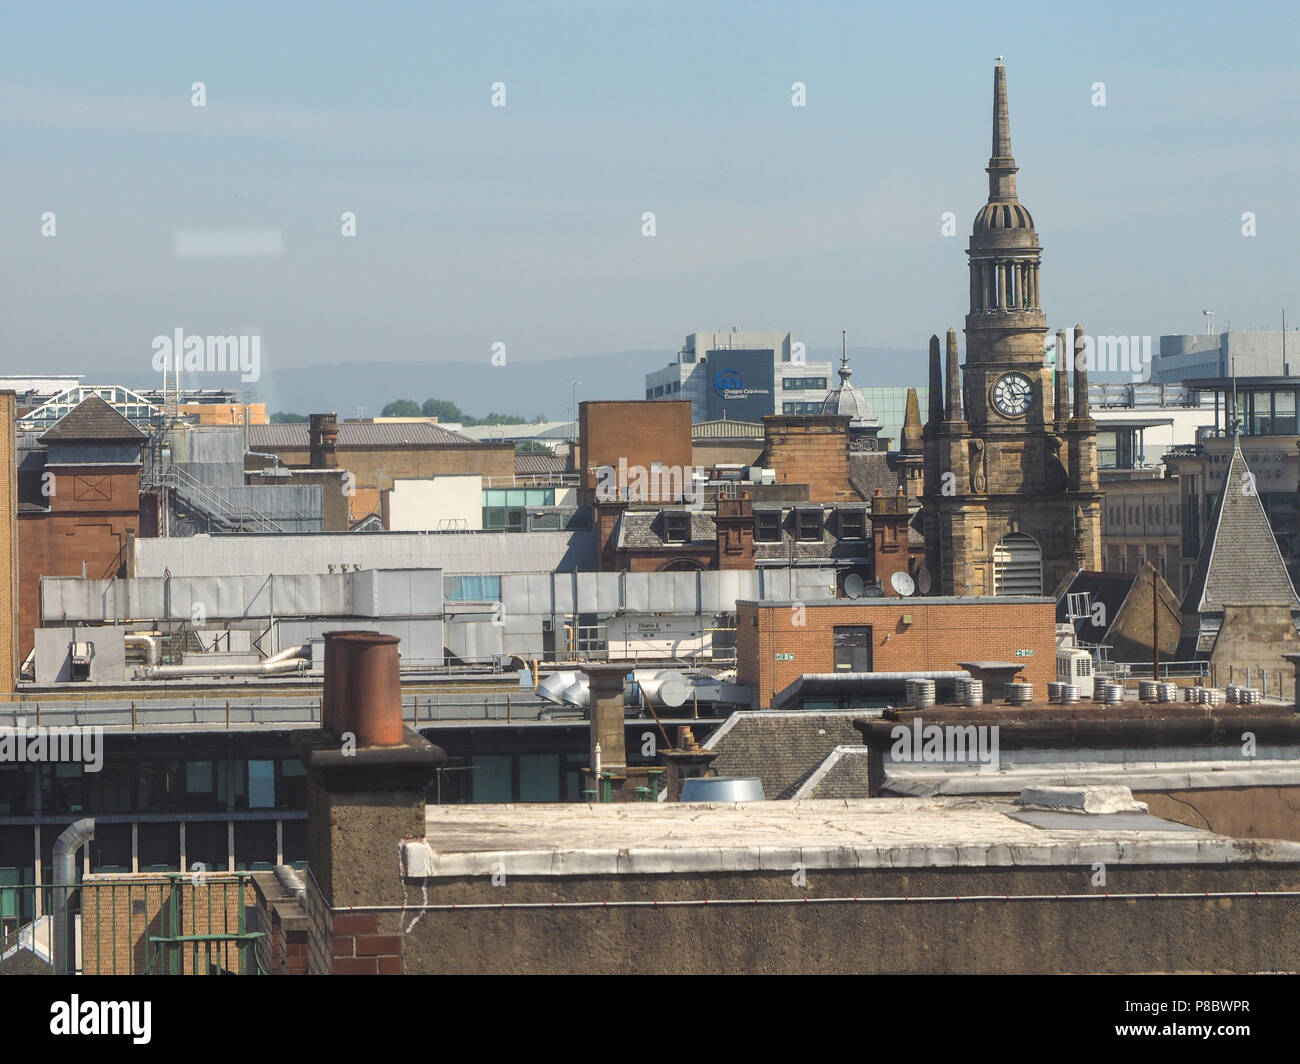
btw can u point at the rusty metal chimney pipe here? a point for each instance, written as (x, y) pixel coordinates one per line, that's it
(371, 689)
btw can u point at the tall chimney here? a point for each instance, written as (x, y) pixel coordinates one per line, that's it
(323, 434)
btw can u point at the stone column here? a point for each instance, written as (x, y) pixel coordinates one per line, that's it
(1002, 285)
(986, 286)
(606, 717)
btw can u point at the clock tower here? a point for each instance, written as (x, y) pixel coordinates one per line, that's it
(1012, 504)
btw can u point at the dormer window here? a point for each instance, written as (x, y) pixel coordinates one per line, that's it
(767, 526)
(677, 527)
(853, 524)
(808, 525)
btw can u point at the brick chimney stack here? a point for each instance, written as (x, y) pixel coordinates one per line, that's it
(889, 523)
(366, 774)
(323, 437)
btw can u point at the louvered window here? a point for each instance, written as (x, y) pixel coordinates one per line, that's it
(1017, 566)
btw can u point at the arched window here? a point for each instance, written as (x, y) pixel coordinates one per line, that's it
(1017, 566)
(682, 565)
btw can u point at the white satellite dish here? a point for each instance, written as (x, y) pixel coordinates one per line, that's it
(903, 584)
(854, 585)
(874, 591)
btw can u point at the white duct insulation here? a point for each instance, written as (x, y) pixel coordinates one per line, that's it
(664, 688)
(151, 643)
(295, 659)
(27, 670)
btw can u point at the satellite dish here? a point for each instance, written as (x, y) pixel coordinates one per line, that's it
(854, 585)
(903, 584)
(874, 591)
(924, 581)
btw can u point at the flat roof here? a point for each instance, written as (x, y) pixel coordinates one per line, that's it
(667, 838)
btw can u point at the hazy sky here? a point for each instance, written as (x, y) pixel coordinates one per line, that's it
(523, 224)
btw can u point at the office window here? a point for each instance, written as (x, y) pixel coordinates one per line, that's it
(853, 524)
(852, 649)
(808, 525)
(677, 527)
(767, 526)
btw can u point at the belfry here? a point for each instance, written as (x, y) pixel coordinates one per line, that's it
(1011, 503)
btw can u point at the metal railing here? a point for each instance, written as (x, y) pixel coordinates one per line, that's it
(165, 923)
(243, 517)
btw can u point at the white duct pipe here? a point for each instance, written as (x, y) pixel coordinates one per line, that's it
(285, 661)
(74, 836)
(151, 643)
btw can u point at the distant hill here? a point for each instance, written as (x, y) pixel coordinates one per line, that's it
(523, 388)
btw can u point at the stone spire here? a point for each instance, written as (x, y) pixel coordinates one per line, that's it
(956, 410)
(912, 424)
(1061, 380)
(1080, 374)
(1002, 164)
(936, 383)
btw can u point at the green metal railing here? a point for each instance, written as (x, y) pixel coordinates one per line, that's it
(173, 923)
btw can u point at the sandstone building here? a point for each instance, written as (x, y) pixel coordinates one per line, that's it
(1011, 503)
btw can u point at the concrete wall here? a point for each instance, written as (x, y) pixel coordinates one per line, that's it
(968, 936)
(440, 502)
(54, 655)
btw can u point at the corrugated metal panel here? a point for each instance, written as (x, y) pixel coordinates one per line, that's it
(663, 593)
(563, 583)
(636, 592)
(608, 592)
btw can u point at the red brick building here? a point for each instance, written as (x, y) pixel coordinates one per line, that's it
(79, 504)
(778, 642)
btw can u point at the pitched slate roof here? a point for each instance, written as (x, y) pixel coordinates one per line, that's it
(782, 748)
(844, 774)
(527, 464)
(92, 419)
(869, 471)
(643, 530)
(1239, 563)
(296, 436)
(1110, 589)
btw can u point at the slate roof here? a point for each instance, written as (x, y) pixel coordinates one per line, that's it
(869, 470)
(643, 530)
(1110, 589)
(92, 420)
(529, 464)
(1239, 563)
(842, 775)
(783, 748)
(358, 434)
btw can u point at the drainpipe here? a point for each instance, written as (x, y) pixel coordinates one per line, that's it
(66, 846)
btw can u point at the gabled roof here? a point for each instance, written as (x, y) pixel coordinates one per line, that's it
(92, 420)
(1109, 589)
(783, 749)
(1239, 563)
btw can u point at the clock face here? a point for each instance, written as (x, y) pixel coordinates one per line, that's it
(1013, 394)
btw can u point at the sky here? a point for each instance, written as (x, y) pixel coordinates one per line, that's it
(523, 225)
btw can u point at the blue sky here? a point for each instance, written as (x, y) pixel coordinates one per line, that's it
(523, 224)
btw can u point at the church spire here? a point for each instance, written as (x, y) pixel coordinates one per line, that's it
(1002, 164)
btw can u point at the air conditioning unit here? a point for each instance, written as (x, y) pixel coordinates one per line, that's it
(1075, 666)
